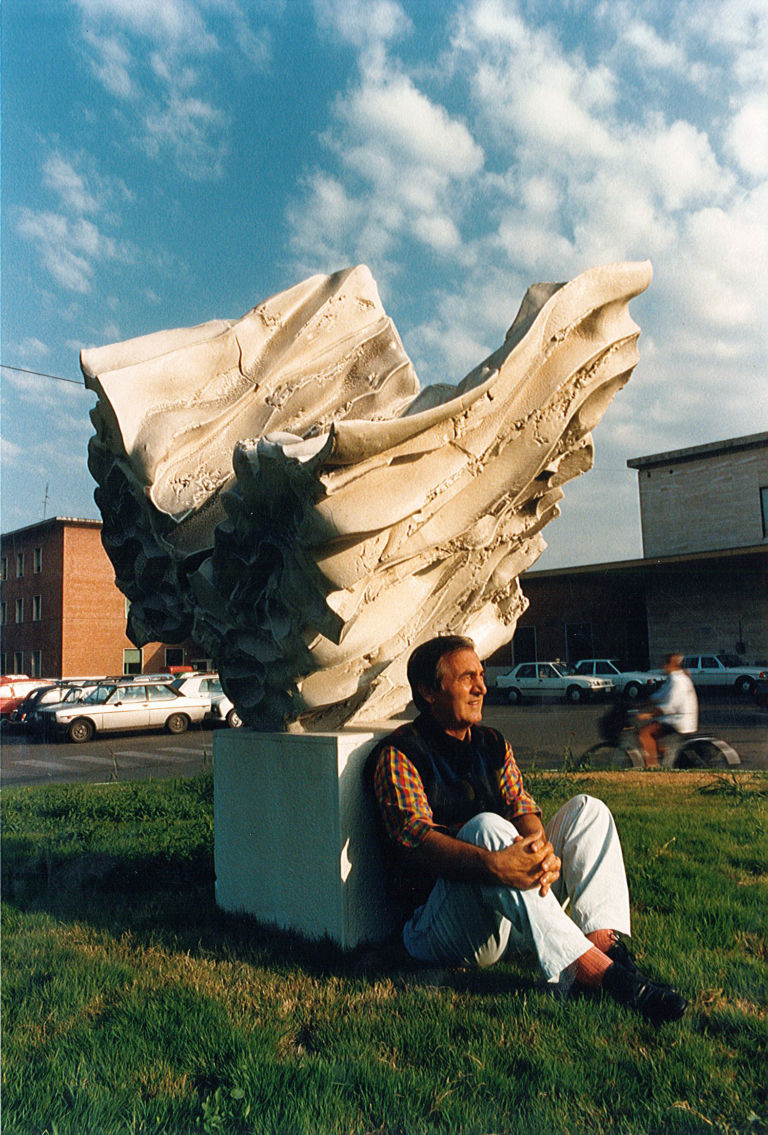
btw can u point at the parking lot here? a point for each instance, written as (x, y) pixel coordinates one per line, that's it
(542, 734)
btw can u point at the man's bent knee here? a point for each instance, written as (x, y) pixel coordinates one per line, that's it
(488, 829)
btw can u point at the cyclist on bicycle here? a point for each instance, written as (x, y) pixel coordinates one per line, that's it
(673, 709)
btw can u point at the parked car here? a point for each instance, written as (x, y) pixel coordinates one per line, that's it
(208, 684)
(14, 688)
(723, 670)
(41, 695)
(631, 683)
(133, 704)
(38, 718)
(551, 680)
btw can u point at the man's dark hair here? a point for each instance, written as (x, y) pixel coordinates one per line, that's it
(425, 666)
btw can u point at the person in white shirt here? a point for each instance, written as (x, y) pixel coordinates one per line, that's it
(674, 708)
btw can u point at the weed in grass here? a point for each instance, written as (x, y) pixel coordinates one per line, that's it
(224, 1111)
(738, 788)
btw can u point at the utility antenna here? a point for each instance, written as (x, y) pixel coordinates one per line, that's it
(45, 500)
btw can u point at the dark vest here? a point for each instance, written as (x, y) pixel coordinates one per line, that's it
(460, 778)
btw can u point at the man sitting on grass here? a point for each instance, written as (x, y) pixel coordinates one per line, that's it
(473, 867)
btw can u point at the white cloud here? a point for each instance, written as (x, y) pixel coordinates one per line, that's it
(678, 161)
(13, 454)
(362, 22)
(652, 48)
(31, 348)
(156, 54)
(439, 232)
(69, 249)
(720, 267)
(60, 175)
(111, 63)
(747, 136)
(192, 130)
(402, 160)
(397, 117)
(164, 21)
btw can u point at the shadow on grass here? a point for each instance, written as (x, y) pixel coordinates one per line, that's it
(169, 902)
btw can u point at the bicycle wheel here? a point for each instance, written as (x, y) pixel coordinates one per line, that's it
(706, 752)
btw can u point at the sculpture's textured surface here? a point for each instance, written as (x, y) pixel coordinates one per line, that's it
(276, 487)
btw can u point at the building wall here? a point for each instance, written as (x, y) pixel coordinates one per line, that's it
(93, 610)
(81, 630)
(600, 615)
(710, 608)
(580, 614)
(705, 502)
(41, 634)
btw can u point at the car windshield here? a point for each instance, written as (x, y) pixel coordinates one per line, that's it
(730, 660)
(564, 669)
(99, 695)
(76, 693)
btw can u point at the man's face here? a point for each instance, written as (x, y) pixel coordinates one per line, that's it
(459, 703)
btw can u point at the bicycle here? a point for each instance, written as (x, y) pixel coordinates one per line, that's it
(621, 749)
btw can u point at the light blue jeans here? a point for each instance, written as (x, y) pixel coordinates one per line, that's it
(476, 923)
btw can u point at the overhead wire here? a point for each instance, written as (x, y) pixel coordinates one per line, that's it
(40, 374)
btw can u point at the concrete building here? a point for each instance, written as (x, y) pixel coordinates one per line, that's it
(701, 585)
(704, 499)
(61, 613)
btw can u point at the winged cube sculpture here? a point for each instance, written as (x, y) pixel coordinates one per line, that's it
(279, 489)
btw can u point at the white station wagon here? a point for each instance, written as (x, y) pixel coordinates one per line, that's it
(132, 704)
(551, 680)
(723, 670)
(632, 683)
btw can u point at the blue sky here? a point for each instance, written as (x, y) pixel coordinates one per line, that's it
(170, 161)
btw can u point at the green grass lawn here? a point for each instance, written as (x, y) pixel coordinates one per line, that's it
(130, 1004)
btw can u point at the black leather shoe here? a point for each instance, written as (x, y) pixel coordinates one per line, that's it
(657, 1002)
(618, 952)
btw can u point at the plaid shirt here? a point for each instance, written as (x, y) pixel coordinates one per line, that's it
(403, 802)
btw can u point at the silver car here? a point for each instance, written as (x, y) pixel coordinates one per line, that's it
(132, 704)
(208, 683)
(551, 680)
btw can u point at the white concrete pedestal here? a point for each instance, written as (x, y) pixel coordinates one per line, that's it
(295, 835)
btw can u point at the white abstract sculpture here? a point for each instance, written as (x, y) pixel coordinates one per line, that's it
(278, 489)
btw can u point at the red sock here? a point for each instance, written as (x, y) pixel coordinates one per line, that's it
(603, 939)
(590, 968)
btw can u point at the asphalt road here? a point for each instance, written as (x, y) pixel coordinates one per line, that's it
(540, 733)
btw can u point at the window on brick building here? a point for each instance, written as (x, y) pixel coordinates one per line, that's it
(36, 664)
(18, 661)
(174, 656)
(19, 610)
(19, 565)
(37, 560)
(3, 615)
(3, 568)
(37, 609)
(131, 661)
(764, 508)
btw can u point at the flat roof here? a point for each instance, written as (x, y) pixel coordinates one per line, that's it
(749, 441)
(650, 562)
(49, 522)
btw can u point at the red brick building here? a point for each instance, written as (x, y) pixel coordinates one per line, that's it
(61, 613)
